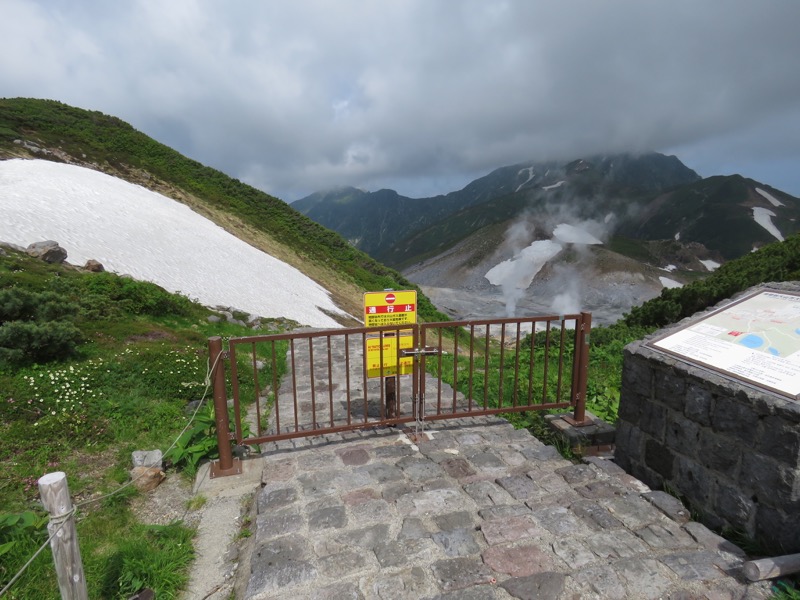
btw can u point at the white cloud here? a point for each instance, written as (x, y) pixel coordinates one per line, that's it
(419, 94)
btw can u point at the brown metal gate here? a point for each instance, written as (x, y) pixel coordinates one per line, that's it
(457, 369)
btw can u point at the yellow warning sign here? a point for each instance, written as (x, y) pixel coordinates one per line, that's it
(390, 308)
(389, 362)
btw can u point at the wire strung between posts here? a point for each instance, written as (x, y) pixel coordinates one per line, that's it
(63, 518)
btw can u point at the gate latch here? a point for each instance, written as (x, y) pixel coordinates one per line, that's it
(426, 351)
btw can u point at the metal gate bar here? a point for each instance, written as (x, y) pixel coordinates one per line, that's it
(327, 389)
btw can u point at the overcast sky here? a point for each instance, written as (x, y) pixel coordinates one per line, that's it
(423, 96)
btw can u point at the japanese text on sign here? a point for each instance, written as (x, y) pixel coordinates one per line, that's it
(390, 308)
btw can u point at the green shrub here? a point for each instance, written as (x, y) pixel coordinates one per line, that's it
(24, 342)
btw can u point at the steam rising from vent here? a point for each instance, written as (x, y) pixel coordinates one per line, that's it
(515, 275)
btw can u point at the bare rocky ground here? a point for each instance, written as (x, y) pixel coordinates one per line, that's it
(593, 279)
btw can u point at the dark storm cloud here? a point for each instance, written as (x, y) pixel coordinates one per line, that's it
(422, 95)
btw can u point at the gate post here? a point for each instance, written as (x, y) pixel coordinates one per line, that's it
(226, 465)
(581, 370)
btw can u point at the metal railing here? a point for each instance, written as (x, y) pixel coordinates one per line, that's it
(346, 379)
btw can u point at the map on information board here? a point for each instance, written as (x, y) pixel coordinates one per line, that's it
(756, 339)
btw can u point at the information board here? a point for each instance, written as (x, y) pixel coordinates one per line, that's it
(390, 308)
(389, 356)
(755, 339)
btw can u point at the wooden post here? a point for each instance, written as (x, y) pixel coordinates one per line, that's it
(64, 544)
(769, 568)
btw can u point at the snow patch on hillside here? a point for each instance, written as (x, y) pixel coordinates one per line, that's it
(569, 234)
(669, 283)
(763, 216)
(710, 265)
(132, 230)
(531, 175)
(772, 199)
(554, 186)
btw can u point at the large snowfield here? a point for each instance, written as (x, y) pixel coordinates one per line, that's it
(134, 231)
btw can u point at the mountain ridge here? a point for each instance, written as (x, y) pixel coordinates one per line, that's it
(33, 128)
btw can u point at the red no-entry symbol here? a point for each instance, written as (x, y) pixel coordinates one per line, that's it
(389, 298)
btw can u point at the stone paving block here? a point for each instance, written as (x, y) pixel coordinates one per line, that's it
(334, 517)
(634, 512)
(512, 458)
(573, 552)
(346, 479)
(420, 470)
(279, 564)
(270, 525)
(699, 565)
(338, 591)
(520, 487)
(511, 529)
(413, 528)
(477, 592)
(318, 484)
(271, 500)
(544, 453)
(409, 583)
(559, 521)
(353, 456)
(710, 540)
(595, 515)
(463, 572)
(457, 542)
(455, 520)
(518, 561)
(316, 460)
(392, 491)
(283, 469)
(373, 511)
(645, 578)
(577, 474)
(609, 467)
(503, 511)
(458, 468)
(401, 553)
(433, 502)
(539, 586)
(669, 505)
(360, 496)
(600, 489)
(600, 579)
(343, 564)
(382, 472)
(618, 543)
(665, 536)
(549, 481)
(488, 461)
(365, 537)
(487, 493)
(393, 451)
(440, 483)
(469, 439)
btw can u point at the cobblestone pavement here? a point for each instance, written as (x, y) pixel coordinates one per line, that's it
(473, 509)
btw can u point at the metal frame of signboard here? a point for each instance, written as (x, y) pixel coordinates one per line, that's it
(651, 344)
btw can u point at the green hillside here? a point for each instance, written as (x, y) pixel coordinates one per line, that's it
(92, 367)
(55, 131)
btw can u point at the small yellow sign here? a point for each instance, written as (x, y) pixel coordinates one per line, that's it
(389, 362)
(390, 308)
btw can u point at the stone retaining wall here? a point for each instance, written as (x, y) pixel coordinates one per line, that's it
(730, 449)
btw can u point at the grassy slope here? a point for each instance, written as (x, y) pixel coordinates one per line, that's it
(111, 145)
(141, 360)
